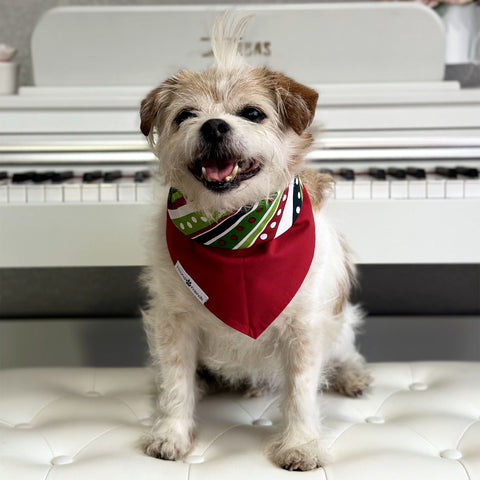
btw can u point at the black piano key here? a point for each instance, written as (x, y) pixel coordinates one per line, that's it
(89, 177)
(60, 177)
(141, 176)
(21, 177)
(41, 177)
(446, 172)
(347, 173)
(327, 171)
(469, 172)
(418, 173)
(109, 177)
(377, 173)
(3, 175)
(398, 173)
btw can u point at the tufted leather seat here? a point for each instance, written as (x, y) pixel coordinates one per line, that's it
(418, 421)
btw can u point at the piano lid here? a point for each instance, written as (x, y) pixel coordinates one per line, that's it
(315, 43)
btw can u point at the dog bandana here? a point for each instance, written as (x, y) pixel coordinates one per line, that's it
(247, 265)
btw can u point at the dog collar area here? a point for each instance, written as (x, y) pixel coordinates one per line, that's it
(251, 225)
(247, 281)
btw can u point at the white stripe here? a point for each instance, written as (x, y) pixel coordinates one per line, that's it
(180, 212)
(287, 214)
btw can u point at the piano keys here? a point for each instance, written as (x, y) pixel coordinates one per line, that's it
(68, 186)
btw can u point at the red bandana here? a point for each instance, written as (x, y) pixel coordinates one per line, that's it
(248, 288)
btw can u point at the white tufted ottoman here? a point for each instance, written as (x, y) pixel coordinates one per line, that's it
(419, 421)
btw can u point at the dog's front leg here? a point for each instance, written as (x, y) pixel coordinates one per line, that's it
(298, 445)
(173, 347)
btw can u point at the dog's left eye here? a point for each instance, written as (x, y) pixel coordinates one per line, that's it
(184, 115)
(253, 114)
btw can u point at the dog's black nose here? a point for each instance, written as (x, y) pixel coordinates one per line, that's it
(214, 130)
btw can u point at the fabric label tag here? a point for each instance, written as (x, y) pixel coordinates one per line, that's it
(191, 284)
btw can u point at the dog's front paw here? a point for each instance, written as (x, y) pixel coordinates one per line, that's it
(307, 456)
(173, 447)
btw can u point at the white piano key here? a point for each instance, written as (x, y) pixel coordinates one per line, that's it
(362, 189)
(17, 193)
(472, 188)
(435, 188)
(398, 189)
(454, 188)
(380, 189)
(344, 189)
(417, 189)
(144, 192)
(90, 192)
(108, 192)
(72, 193)
(54, 193)
(36, 193)
(126, 192)
(3, 193)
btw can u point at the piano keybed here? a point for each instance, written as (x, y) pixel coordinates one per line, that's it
(133, 184)
(49, 186)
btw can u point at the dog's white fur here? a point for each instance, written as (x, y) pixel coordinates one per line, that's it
(311, 344)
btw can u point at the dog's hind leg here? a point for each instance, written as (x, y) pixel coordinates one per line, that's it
(348, 373)
(173, 347)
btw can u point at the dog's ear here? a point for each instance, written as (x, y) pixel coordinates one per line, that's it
(297, 102)
(157, 99)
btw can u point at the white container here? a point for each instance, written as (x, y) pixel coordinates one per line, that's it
(462, 27)
(8, 78)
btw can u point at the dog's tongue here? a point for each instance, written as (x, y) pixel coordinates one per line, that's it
(217, 170)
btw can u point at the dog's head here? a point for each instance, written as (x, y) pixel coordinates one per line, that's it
(232, 134)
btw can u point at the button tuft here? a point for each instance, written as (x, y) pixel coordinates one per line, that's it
(451, 454)
(262, 422)
(418, 387)
(193, 459)
(92, 393)
(61, 460)
(23, 426)
(375, 420)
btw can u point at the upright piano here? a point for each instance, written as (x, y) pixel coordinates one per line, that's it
(402, 144)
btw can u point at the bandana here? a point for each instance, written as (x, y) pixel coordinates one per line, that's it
(246, 265)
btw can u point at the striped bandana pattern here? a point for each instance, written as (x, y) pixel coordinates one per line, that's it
(251, 225)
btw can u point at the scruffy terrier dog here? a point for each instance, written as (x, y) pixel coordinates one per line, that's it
(247, 279)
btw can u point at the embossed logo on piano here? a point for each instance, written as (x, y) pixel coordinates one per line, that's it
(246, 49)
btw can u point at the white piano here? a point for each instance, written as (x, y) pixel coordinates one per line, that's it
(403, 145)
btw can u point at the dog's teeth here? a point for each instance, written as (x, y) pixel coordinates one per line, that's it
(230, 177)
(204, 172)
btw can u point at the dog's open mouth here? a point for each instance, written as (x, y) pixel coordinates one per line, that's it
(220, 174)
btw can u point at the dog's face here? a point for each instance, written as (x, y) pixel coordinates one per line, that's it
(226, 138)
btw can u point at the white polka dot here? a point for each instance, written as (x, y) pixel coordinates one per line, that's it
(284, 197)
(194, 220)
(279, 212)
(182, 226)
(263, 236)
(298, 209)
(189, 225)
(203, 219)
(299, 195)
(273, 224)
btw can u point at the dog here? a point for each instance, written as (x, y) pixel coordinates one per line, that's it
(262, 307)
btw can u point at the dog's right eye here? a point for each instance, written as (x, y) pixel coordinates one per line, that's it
(184, 115)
